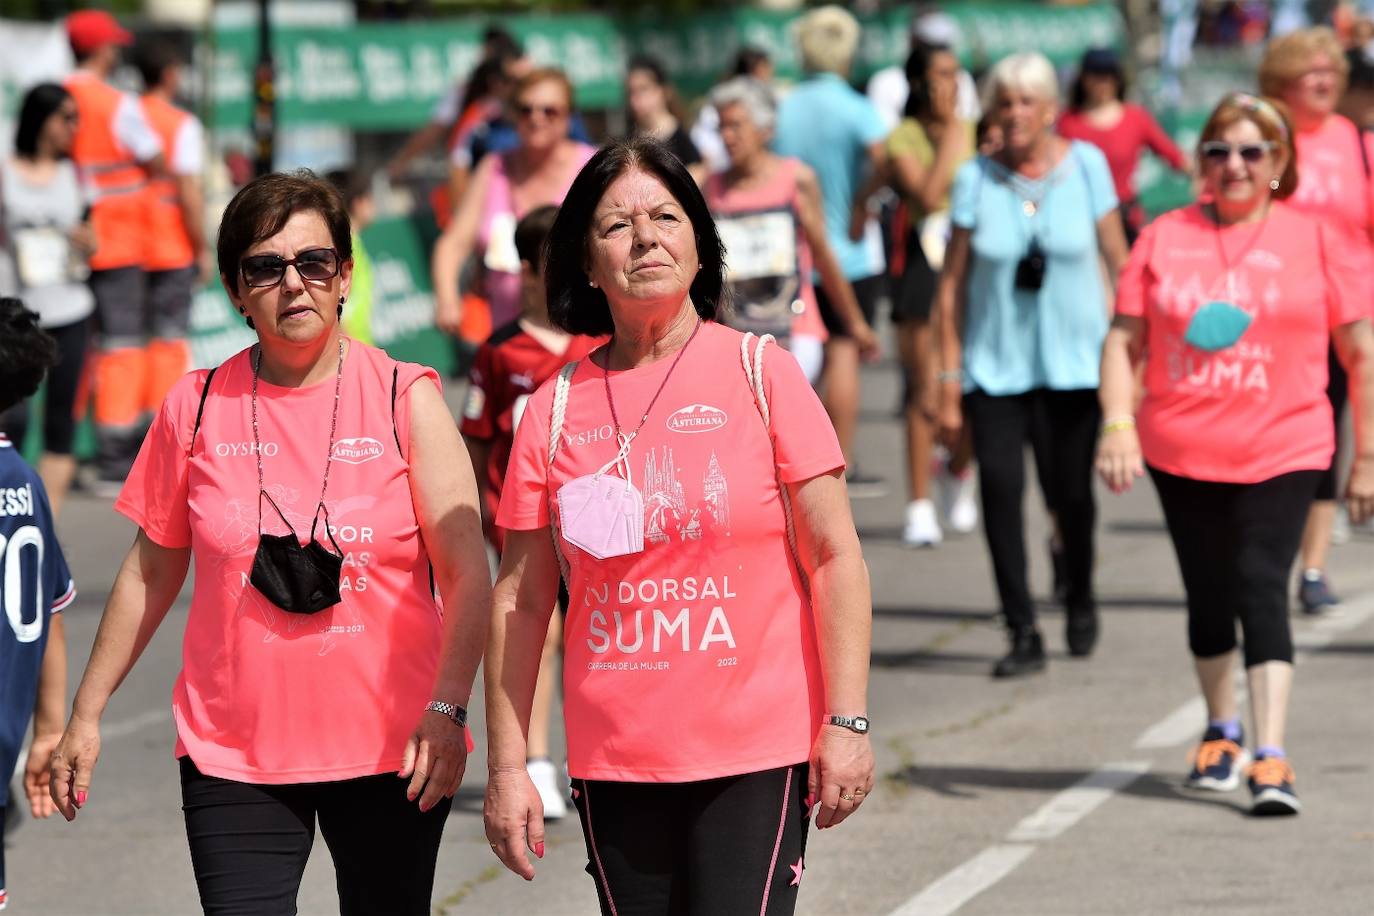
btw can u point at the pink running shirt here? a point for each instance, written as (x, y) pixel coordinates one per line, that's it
(1333, 183)
(696, 658)
(264, 695)
(1258, 408)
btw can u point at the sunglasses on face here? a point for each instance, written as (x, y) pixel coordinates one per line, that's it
(263, 270)
(548, 111)
(1218, 152)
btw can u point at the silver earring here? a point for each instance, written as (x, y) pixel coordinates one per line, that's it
(592, 284)
(1273, 184)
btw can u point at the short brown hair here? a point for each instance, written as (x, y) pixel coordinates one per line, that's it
(545, 75)
(263, 206)
(1288, 57)
(1271, 117)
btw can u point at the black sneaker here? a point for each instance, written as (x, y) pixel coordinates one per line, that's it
(1027, 655)
(1314, 593)
(1271, 787)
(1080, 631)
(1217, 762)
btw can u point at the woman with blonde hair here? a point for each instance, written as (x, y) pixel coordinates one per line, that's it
(1307, 70)
(1230, 305)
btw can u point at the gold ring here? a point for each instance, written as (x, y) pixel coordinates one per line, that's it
(846, 798)
(860, 792)
(492, 845)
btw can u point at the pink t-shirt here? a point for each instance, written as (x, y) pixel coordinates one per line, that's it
(1258, 408)
(264, 695)
(1333, 182)
(696, 658)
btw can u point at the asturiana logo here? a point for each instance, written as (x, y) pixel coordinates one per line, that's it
(356, 451)
(697, 418)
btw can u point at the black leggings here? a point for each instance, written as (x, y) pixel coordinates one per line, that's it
(1337, 392)
(1235, 544)
(249, 843)
(59, 426)
(712, 848)
(1061, 427)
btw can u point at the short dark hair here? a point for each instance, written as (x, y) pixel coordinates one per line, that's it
(40, 103)
(531, 232)
(579, 308)
(352, 184)
(1100, 62)
(27, 352)
(154, 57)
(747, 60)
(262, 207)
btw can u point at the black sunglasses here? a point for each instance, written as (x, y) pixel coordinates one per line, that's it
(548, 111)
(262, 270)
(1218, 151)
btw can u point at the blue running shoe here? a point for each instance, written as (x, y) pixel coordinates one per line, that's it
(1271, 787)
(1314, 593)
(1217, 762)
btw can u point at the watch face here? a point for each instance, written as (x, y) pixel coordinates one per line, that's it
(860, 724)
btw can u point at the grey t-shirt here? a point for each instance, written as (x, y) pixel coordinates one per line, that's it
(37, 261)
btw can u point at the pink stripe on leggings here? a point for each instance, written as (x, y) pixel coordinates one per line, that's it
(591, 838)
(777, 844)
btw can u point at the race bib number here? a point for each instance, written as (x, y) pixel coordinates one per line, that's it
(501, 254)
(759, 245)
(43, 255)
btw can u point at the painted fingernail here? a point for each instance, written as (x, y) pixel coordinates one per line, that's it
(81, 797)
(810, 800)
(539, 850)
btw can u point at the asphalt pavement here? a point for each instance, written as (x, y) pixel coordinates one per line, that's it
(1055, 795)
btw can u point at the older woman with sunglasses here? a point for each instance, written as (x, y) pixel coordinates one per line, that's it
(504, 188)
(1308, 71)
(1231, 304)
(324, 680)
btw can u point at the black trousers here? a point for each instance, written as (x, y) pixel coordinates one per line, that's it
(1062, 428)
(249, 843)
(717, 847)
(1337, 392)
(1235, 545)
(59, 425)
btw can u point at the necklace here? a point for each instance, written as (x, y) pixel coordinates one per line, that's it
(610, 400)
(333, 425)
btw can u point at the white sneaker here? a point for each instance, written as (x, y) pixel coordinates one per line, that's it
(544, 775)
(961, 508)
(922, 529)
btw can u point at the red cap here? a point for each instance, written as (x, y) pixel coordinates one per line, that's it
(88, 30)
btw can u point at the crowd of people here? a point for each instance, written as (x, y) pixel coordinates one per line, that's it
(685, 277)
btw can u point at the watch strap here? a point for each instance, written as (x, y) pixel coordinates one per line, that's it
(453, 711)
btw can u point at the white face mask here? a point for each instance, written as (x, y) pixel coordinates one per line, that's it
(601, 513)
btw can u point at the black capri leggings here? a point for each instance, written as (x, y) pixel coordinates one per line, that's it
(718, 847)
(1337, 392)
(59, 426)
(1235, 545)
(249, 843)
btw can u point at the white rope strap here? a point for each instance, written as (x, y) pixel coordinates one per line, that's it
(753, 371)
(560, 410)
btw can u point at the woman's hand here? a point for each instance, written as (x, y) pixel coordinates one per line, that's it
(1359, 491)
(951, 414)
(73, 765)
(448, 314)
(870, 349)
(514, 819)
(436, 756)
(944, 102)
(841, 774)
(1118, 459)
(38, 775)
(83, 239)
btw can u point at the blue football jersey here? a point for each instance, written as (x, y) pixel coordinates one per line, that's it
(34, 585)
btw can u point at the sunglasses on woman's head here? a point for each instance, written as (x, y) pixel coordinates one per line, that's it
(548, 111)
(1218, 151)
(262, 270)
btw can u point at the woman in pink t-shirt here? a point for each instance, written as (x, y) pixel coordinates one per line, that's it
(1307, 69)
(312, 676)
(712, 696)
(504, 188)
(1231, 305)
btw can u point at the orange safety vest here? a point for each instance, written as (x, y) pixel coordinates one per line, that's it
(168, 245)
(111, 173)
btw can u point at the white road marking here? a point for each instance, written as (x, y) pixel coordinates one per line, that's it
(1077, 801)
(1175, 728)
(961, 885)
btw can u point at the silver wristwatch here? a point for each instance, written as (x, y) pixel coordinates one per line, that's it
(853, 723)
(458, 714)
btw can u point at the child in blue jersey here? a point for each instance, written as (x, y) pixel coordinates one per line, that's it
(34, 581)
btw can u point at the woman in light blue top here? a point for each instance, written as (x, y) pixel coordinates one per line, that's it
(1023, 307)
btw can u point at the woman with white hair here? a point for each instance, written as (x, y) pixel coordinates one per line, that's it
(768, 211)
(1023, 311)
(839, 134)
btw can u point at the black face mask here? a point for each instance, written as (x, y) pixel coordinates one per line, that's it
(296, 578)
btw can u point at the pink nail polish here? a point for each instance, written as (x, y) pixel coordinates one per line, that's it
(539, 850)
(81, 797)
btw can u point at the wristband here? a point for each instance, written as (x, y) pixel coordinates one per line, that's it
(1117, 424)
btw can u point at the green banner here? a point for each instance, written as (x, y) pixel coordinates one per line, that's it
(389, 76)
(402, 304)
